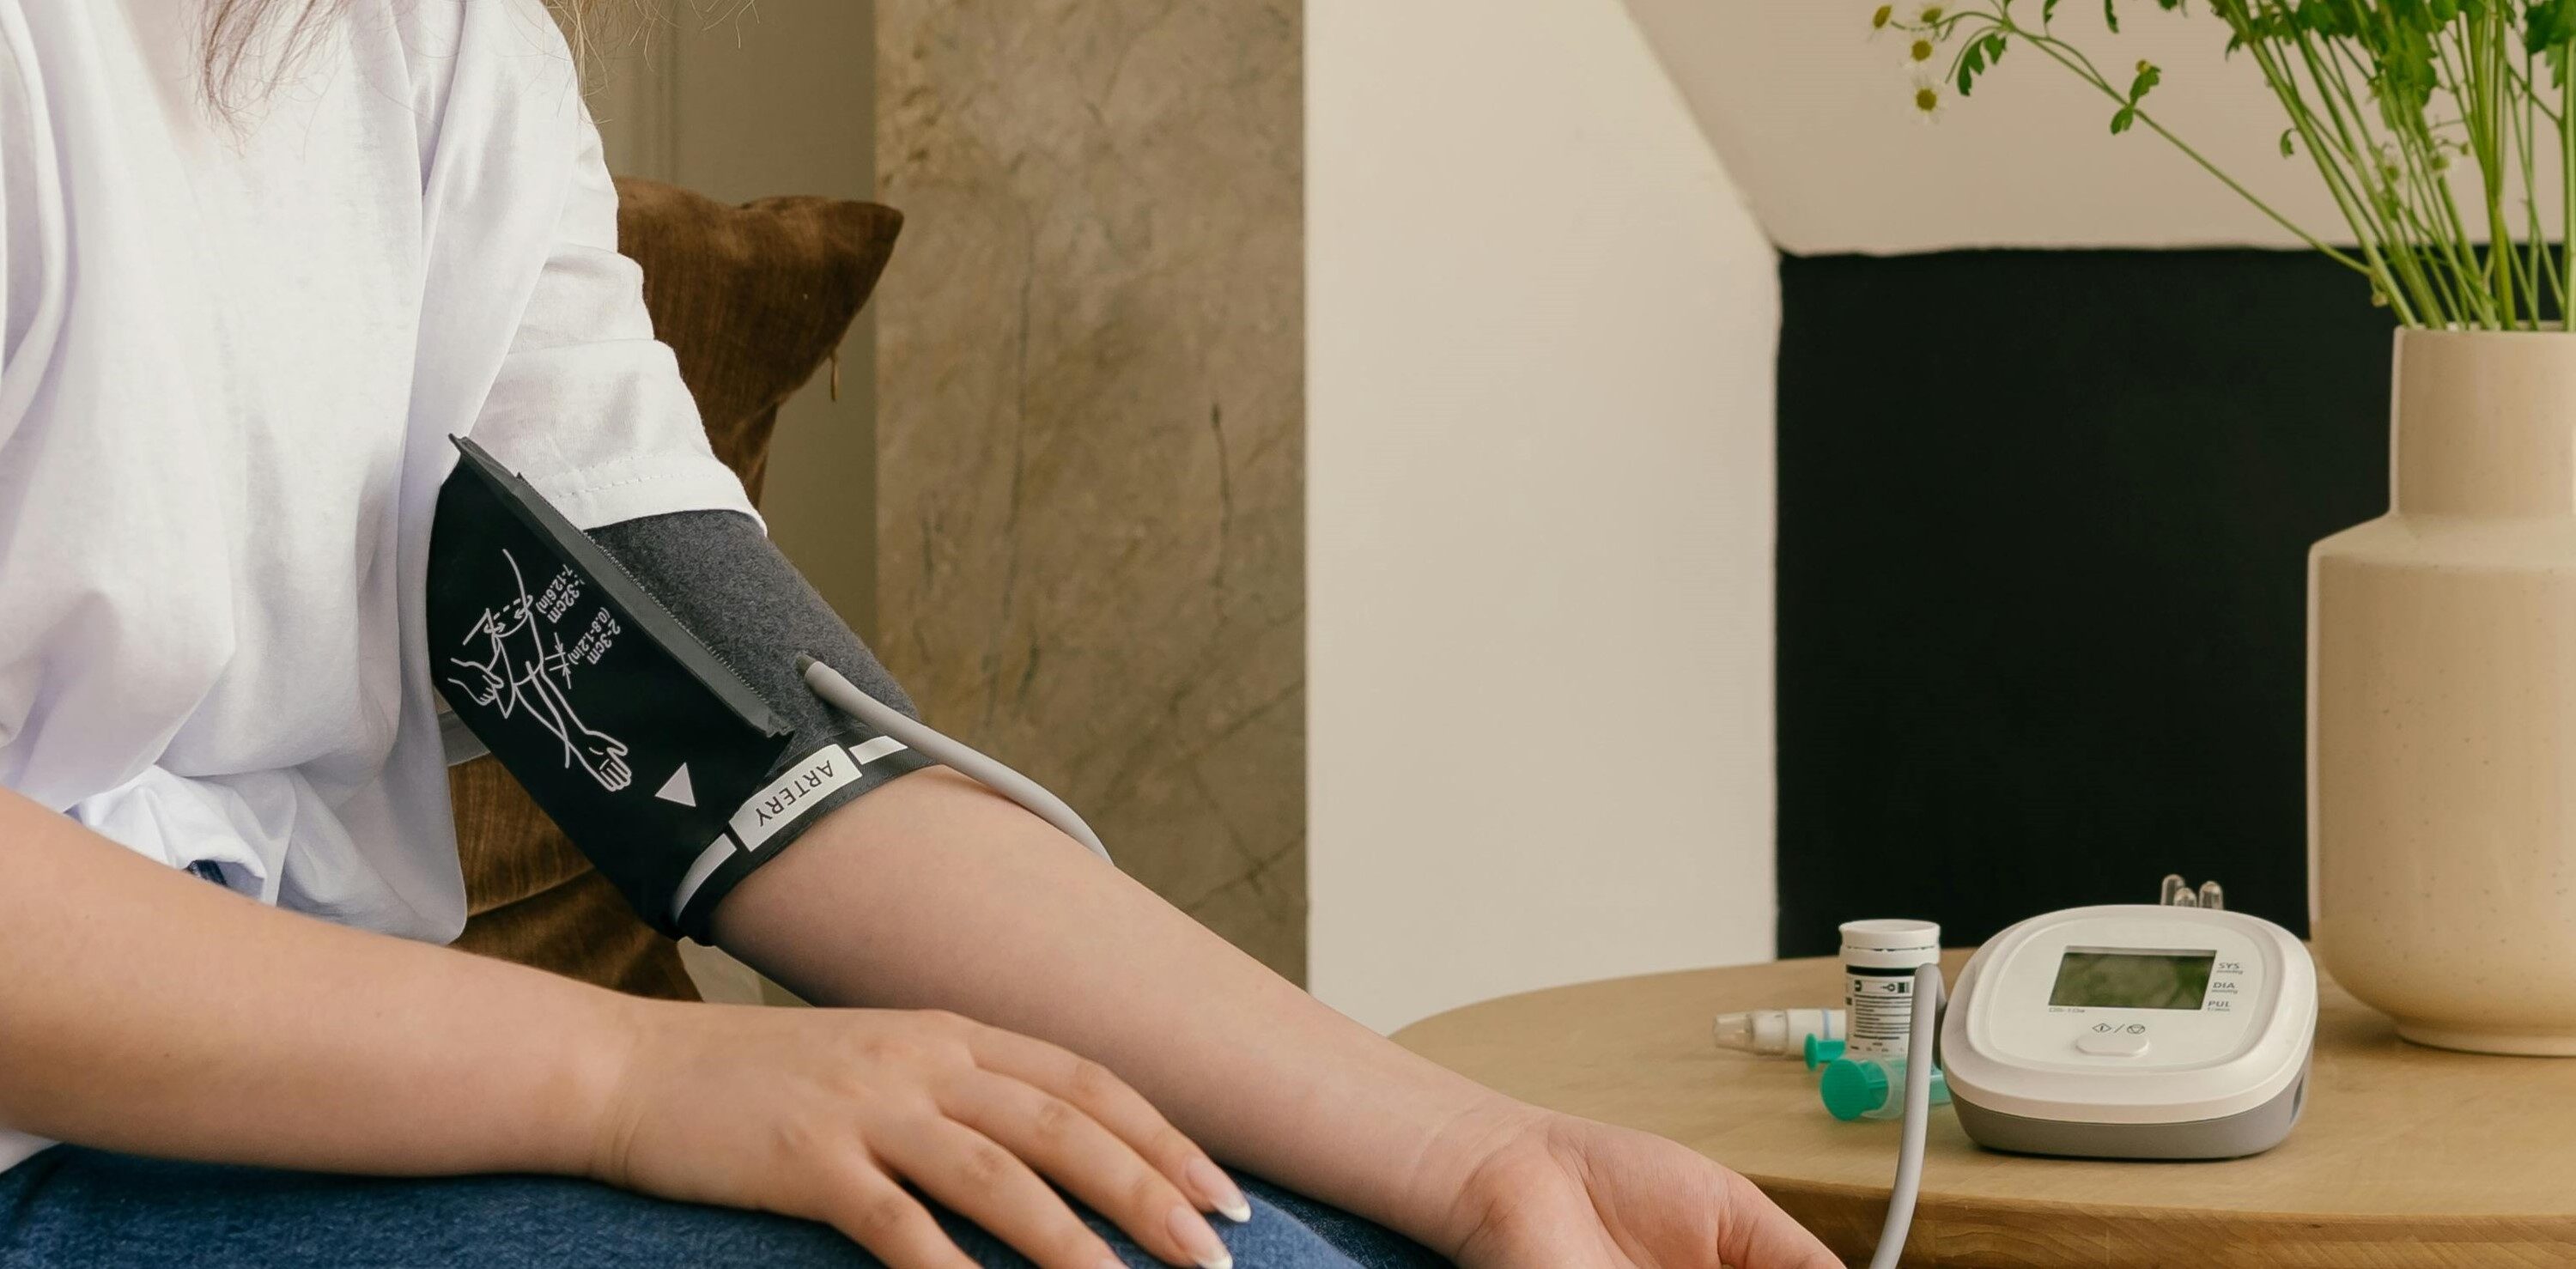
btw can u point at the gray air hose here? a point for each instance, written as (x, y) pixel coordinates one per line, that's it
(842, 694)
(1919, 1056)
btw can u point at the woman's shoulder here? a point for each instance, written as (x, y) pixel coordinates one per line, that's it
(490, 59)
(16, 60)
(27, 208)
(488, 73)
(13, 74)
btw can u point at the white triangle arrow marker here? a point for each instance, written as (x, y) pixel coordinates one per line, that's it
(676, 789)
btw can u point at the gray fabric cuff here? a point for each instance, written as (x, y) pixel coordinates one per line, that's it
(719, 574)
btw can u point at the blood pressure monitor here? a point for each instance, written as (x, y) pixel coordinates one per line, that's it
(2132, 1031)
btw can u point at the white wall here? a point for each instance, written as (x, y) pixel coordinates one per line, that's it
(1811, 115)
(1540, 335)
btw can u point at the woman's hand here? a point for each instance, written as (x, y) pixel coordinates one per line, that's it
(935, 889)
(828, 1114)
(1549, 1191)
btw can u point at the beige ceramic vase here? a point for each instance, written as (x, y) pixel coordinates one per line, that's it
(2442, 706)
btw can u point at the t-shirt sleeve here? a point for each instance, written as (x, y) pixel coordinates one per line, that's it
(588, 405)
(14, 144)
(21, 215)
(18, 276)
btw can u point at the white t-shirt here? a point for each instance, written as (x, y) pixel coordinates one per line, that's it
(231, 354)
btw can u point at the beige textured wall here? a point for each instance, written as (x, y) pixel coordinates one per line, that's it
(1090, 422)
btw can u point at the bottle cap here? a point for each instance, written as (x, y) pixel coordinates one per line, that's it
(1821, 1051)
(1852, 1089)
(1735, 1031)
(1891, 944)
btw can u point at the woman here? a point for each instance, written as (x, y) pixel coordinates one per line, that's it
(260, 260)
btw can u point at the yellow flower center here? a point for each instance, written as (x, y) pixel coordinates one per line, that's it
(1879, 19)
(1921, 50)
(1931, 13)
(1926, 100)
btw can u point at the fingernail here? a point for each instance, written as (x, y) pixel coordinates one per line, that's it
(1199, 1240)
(1214, 1186)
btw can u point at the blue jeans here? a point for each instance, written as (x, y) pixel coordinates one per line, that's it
(71, 1206)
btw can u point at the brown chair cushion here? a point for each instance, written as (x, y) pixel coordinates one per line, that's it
(753, 299)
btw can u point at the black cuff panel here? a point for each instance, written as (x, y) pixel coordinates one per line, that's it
(641, 684)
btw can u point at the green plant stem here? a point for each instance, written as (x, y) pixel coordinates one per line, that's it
(2539, 278)
(2522, 83)
(2402, 237)
(2493, 171)
(2355, 203)
(2083, 69)
(2519, 130)
(2567, 184)
(2349, 163)
(2402, 232)
(2360, 83)
(2491, 168)
(2497, 308)
(2536, 263)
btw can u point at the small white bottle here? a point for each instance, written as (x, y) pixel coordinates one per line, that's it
(1879, 960)
(1778, 1032)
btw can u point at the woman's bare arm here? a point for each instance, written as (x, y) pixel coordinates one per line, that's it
(144, 1009)
(934, 892)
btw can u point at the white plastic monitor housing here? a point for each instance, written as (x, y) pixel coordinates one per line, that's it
(2221, 1079)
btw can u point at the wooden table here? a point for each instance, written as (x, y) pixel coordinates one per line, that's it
(2406, 1156)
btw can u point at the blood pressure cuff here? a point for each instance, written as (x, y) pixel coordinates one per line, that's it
(641, 684)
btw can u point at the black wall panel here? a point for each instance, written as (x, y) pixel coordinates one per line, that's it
(2043, 529)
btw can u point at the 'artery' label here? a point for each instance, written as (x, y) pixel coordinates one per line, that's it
(792, 794)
